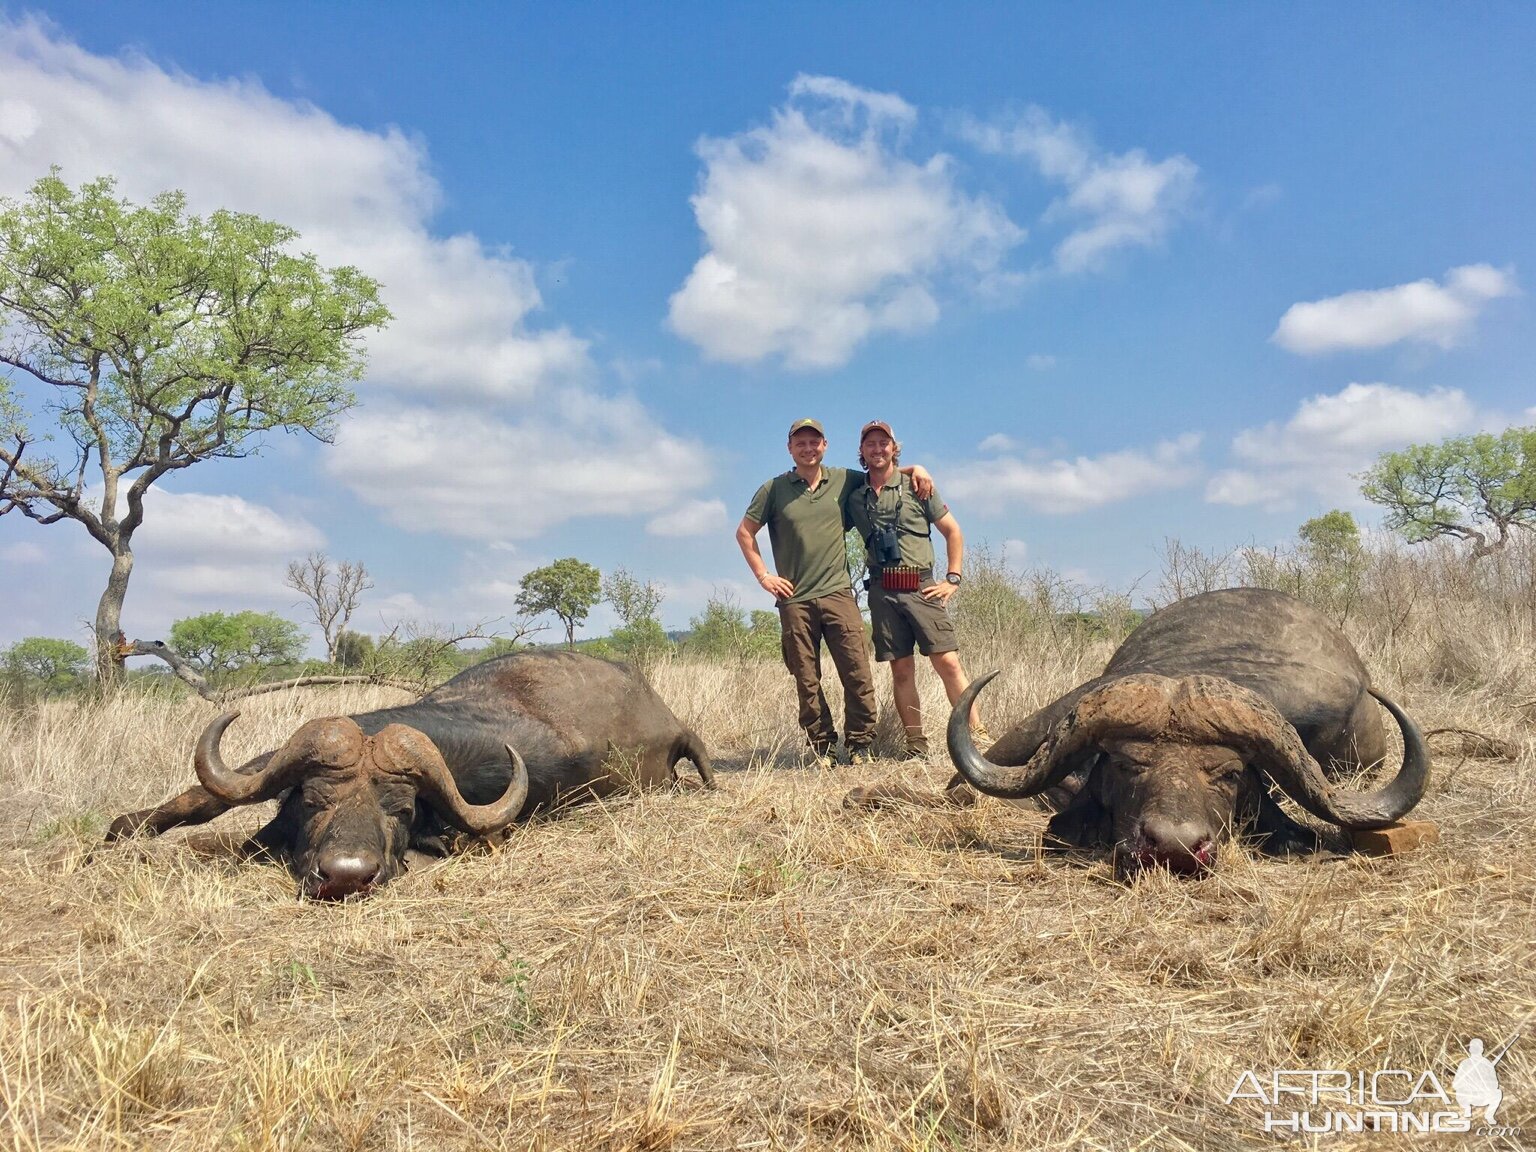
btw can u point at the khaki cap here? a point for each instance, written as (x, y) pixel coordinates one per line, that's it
(808, 423)
(875, 425)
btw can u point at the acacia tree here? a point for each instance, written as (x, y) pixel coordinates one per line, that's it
(332, 594)
(153, 340)
(45, 659)
(224, 642)
(1475, 488)
(568, 588)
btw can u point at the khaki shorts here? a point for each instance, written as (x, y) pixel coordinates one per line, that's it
(904, 620)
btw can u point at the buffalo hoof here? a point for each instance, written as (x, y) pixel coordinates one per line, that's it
(884, 796)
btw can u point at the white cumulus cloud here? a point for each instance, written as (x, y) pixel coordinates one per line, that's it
(462, 337)
(693, 518)
(357, 197)
(1064, 486)
(1423, 312)
(464, 473)
(199, 552)
(1329, 438)
(1111, 200)
(821, 232)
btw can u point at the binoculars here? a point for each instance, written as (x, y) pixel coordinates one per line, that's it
(884, 548)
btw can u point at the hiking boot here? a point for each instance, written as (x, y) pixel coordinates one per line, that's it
(917, 745)
(818, 758)
(861, 754)
(981, 737)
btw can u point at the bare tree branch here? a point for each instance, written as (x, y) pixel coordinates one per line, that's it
(332, 597)
(199, 684)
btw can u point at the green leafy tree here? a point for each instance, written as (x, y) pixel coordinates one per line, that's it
(223, 642)
(1475, 488)
(52, 663)
(1333, 563)
(425, 658)
(354, 650)
(569, 588)
(500, 646)
(763, 632)
(640, 638)
(641, 642)
(153, 340)
(631, 599)
(856, 556)
(1330, 540)
(724, 630)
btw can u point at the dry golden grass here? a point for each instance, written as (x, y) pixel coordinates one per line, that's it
(750, 968)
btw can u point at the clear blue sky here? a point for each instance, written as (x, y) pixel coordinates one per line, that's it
(1114, 275)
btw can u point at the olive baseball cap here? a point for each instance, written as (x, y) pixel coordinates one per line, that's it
(808, 423)
(875, 426)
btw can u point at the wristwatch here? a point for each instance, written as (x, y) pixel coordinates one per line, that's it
(952, 578)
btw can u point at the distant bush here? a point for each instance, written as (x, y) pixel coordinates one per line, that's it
(42, 665)
(640, 638)
(1001, 608)
(724, 630)
(353, 650)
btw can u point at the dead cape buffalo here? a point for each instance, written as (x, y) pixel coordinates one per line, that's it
(1169, 750)
(497, 741)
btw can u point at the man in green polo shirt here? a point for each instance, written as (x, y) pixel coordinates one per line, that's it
(803, 509)
(906, 603)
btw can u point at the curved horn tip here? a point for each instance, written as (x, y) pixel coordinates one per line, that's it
(984, 679)
(1303, 780)
(519, 768)
(212, 773)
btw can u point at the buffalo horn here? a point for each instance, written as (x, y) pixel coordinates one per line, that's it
(235, 787)
(1044, 753)
(477, 819)
(1291, 767)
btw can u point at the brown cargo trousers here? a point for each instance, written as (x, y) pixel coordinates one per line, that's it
(802, 627)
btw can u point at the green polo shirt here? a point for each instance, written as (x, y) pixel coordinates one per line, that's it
(805, 527)
(896, 506)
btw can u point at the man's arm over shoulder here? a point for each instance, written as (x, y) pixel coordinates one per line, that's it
(922, 480)
(853, 490)
(934, 507)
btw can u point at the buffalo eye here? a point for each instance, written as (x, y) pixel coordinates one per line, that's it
(402, 808)
(1231, 770)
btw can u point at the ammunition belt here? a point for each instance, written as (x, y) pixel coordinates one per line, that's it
(903, 578)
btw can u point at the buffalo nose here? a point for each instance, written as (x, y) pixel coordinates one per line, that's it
(345, 873)
(1183, 845)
